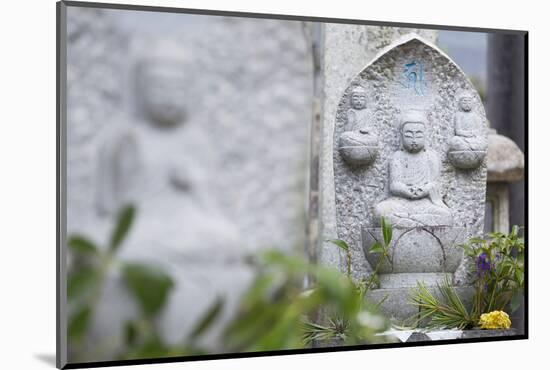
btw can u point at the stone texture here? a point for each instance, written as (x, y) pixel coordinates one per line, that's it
(416, 250)
(467, 334)
(345, 50)
(207, 136)
(390, 97)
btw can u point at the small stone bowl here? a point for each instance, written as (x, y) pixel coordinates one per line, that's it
(466, 159)
(358, 149)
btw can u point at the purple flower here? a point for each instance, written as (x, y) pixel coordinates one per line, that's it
(483, 264)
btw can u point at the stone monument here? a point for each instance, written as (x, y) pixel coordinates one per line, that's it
(426, 134)
(213, 154)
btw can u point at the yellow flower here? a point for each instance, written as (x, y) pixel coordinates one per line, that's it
(495, 320)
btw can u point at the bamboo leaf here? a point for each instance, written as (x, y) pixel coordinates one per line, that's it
(340, 243)
(208, 318)
(81, 282)
(386, 231)
(124, 223)
(82, 246)
(150, 286)
(79, 322)
(376, 248)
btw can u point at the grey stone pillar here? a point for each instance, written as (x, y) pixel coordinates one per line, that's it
(506, 101)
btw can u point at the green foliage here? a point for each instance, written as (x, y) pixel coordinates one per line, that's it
(346, 248)
(446, 312)
(124, 223)
(341, 323)
(340, 243)
(497, 263)
(382, 249)
(275, 311)
(386, 231)
(149, 285)
(497, 267)
(81, 282)
(207, 319)
(78, 323)
(82, 246)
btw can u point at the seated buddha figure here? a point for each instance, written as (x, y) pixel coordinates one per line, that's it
(414, 170)
(468, 127)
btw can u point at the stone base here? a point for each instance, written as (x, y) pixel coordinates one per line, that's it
(410, 336)
(411, 279)
(396, 302)
(413, 336)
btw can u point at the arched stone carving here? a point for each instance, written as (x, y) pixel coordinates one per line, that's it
(429, 175)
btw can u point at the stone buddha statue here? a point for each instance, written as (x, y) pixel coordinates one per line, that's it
(468, 146)
(467, 127)
(414, 171)
(358, 116)
(358, 145)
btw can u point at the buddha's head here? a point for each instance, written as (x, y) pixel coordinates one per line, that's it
(465, 102)
(413, 129)
(358, 97)
(162, 89)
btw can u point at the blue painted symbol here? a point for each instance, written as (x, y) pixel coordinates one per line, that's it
(413, 77)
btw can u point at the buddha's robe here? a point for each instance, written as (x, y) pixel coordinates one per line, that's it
(415, 199)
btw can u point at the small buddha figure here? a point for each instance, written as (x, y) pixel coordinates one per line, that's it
(358, 115)
(359, 144)
(468, 147)
(413, 174)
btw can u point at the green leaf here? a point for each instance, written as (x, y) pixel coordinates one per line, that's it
(518, 274)
(207, 319)
(376, 248)
(81, 282)
(340, 243)
(124, 222)
(79, 321)
(152, 347)
(130, 333)
(477, 240)
(82, 246)
(386, 231)
(149, 285)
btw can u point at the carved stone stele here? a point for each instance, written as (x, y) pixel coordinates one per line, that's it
(428, 178)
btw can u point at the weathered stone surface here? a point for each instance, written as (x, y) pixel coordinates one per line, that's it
(345, 50)
(207, 136)
(488, 333)
(408, 336)
(416, 250)
(413, 92)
